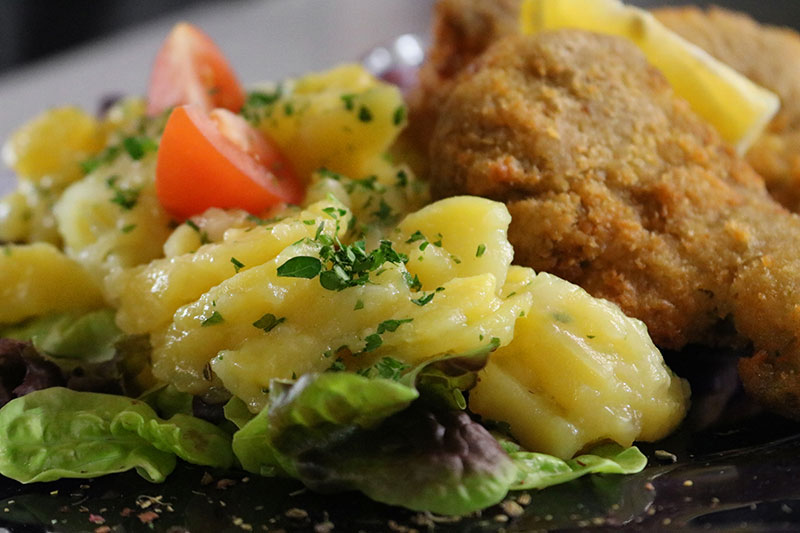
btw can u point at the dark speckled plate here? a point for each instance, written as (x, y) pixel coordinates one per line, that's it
(729, 467)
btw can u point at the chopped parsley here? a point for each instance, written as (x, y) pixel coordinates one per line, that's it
(337, 366)
(340, 266)
(384, 211)
(419, 236)
(300, 267)
(364, 114)
(423, 300)
(392, 325)
(259, 104)
(359, 305)
(237, 265)
(402, 178)
(106, 156)
(215, 318)
(426, 299)
(416, 236)
(138, 147)
(268, 322)
(125, 198)
(561, 316)
(203, 234)
(128, 228)
(386, 368)
(399, 115)
(413, 282)
(480, 251)
(374, 342)
(348, 101)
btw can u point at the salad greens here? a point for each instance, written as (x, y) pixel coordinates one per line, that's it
(399, 434)
(90, 336)
(82, 352)
(57, 432)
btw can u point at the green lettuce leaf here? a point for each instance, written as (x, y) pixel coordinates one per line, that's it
(313, 412)
(57, 432)
(538, 470)
(236, 411)
(443, 380)
(343, 431)
(89, 337)
(425, 460)
(168, 401)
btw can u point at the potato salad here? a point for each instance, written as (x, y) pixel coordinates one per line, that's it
(256, 279)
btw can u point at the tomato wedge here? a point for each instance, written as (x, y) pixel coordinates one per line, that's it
(219, 160)
(190, 69)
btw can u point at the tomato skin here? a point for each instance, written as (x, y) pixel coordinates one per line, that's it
(200, 167)
(191, 69)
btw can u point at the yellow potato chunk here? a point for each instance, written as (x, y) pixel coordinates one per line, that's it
(577, 372)
(164, 285)
(50, 147)
(341, 120)
(464, 316)
(36, 279)
(457, 237)
(218, 335)
(112, 219)
(26, 214)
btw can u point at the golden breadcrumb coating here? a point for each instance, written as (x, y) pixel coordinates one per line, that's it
(461, 30)
(613, 183)
(770, 56)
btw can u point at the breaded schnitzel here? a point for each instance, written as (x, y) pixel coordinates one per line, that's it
(770, 56)
(462, 30)
(613, 183)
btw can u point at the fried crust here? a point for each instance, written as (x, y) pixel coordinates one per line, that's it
(770, 56)
(614, 184)
(461, 31)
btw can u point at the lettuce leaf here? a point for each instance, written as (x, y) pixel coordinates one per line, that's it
(89, 337)
(343, 431)
(57, 432)
(314, 412)
(538, 470)
(91, 352)
(167, 401)
(236, 411)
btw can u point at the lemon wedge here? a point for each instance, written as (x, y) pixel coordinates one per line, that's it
(738, 108)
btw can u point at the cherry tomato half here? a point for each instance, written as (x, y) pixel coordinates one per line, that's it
(219, 160)
(190, 69)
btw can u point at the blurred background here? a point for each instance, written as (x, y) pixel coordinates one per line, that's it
(34, 29)
(78, 51)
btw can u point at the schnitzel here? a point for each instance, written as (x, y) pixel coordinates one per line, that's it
(770, 56)
(615, 184)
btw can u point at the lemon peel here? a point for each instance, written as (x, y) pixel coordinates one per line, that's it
(738, 108)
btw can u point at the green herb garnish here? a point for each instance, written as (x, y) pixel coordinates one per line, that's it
(215, 318)
(268, 322)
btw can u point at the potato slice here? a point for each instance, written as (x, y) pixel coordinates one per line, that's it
(37, 279)
(341, 119)
(579, 371)
(164, 285)
(217, 331)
